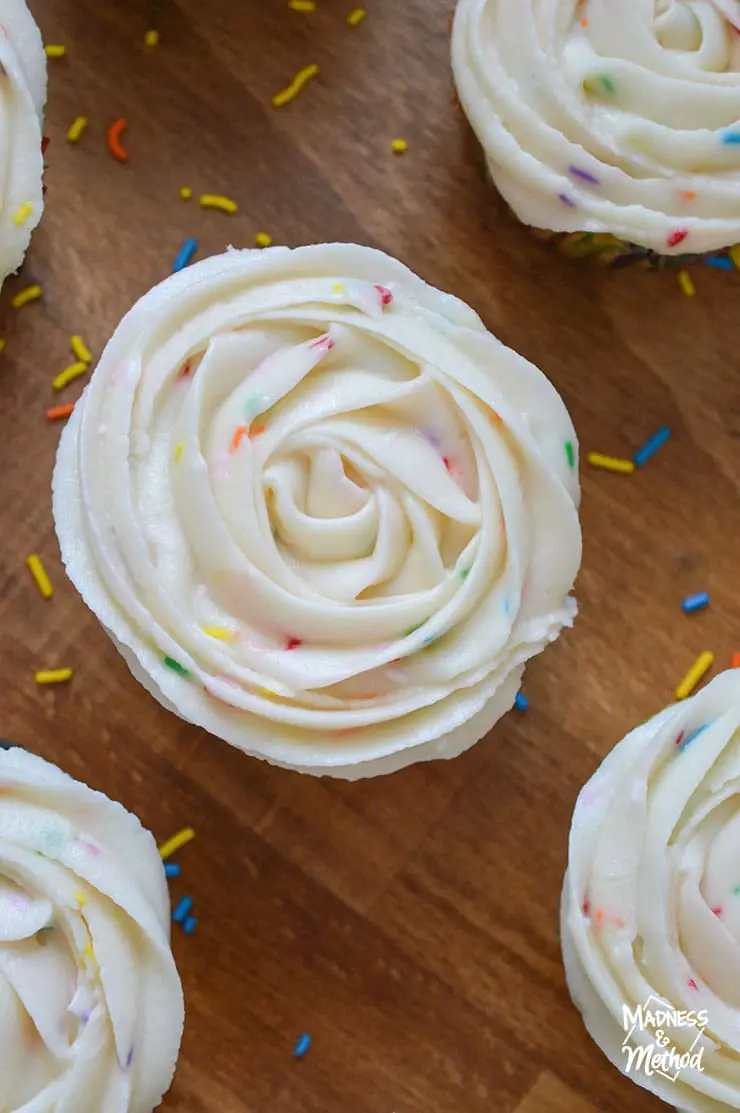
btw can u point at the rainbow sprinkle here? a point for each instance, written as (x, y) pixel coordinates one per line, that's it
(22, 213)
(80, 349)
(291, 91)
(399, 146)
(55, 51)
(171, 663)
(218, 201)
(696, 602)
(185, 254)
(76, 129)
(176, 842)
(610, 463)
(651, 446)
(37, 570)
(182, 910)
(356, 16)
(53, 676)
(701, 665)
(26, 296)
(686, 283)
(302, 1046)
(72, 372)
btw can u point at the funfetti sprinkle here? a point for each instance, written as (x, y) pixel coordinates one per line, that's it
(299, 81)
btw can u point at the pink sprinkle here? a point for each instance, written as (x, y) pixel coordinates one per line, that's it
(446, 462)
(21, 904)
(90, 848)
(717, 910)
(386, 297)
(692, 984)
(323, 341)
(185, 370)
(677, 237)
(293, 643)
(586, 908)
(679, 740)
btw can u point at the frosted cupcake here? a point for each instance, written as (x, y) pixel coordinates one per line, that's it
(611, 124)
(91, 1009)
(651, 904)
(323, 513)
(22, 97)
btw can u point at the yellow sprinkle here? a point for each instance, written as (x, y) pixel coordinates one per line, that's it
(218, 201)
(356, 16)
(302, 5)
(167, 849)
(337, 288)
(89, 953)
(55, 51)
(701, 665)
(80, 349)
(22, 213)
(2, 346)
(53, 676)
(178, 452)
(301, 78)
(186, 193)
(686, 283)
(610, 463)
(23, 297)
(72, 372)
(734, 254)
(219, 632)
(262, 239)
(81, 899)
(37, 570)
(398, 146)
(151, 38)
(76, 129)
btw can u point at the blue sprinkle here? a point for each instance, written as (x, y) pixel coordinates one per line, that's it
(171, 869)
(651, 446)
(695, 602)
(190, 925)
(720, 262)
(731, 137)
(182, 910)
(186, 253)
(692, 737)
(521, 702)
(304, 1042)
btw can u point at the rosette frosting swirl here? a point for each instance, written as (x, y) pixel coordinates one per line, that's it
(323, 512)
(651, 904)
(91, 1008)
(609, 116)
(22, 97)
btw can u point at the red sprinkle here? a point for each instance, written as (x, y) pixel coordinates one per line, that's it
(586, 908)
(293, 643)
(386, 297)
(735, 662)
(446, 462)
(45, 144)
(677, 237)
(679, 740)
(323, 341)
(185, 370)
(692, 984)
(717, 910)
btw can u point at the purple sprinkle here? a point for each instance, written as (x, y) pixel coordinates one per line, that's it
(566, 200)
(85, 1016)
(130, 1057)
(583, 175)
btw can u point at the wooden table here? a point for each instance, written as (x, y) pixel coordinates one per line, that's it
(409, 924)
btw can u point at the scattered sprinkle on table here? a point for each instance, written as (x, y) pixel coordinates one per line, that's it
(610, 463)
(185, 254)
(37, 570)
(76, 129)
(190, 925)
(22, 213)
(218, 201)
(172, 845)
(55, 51)
(56, 413)
(719, 262)
(521, 703)
(26, 296)
(53, 676)
(735, 662)
(182, 910)
(701, 665)
(399, 146)
(304, 1042)
(80, 349)
(301, 78)
(734, 253)
(116, 148)
(69, 373)
(302, 5)
(651, 446)
(262, 239)
(151, 38)
(171, 870)
(2, 346)
(186, 193)
(686, 283)
(356, 16)
(696, 602)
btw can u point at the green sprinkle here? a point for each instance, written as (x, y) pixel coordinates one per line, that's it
(597, 84)
(736, 890)
(176, 666)
(570, 454)
(607, 84)
(465, 573)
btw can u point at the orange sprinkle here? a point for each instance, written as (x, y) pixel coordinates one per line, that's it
(114, 140)
(257, 431)
(57, 412)
(584, 21)
(236, 440)
(735, 663)
(599, 917)
(687, 195)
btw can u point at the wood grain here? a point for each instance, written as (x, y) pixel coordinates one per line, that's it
(409, 924)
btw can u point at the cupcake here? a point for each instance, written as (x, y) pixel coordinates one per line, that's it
(322, 512)
(22, 97)
(651, 903)
(608, 125)
(91, 1007)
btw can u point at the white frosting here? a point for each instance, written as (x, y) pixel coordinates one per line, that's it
(91, 1009)
(381, 553)
(641, 96)
(651, 903)
(22, 96)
